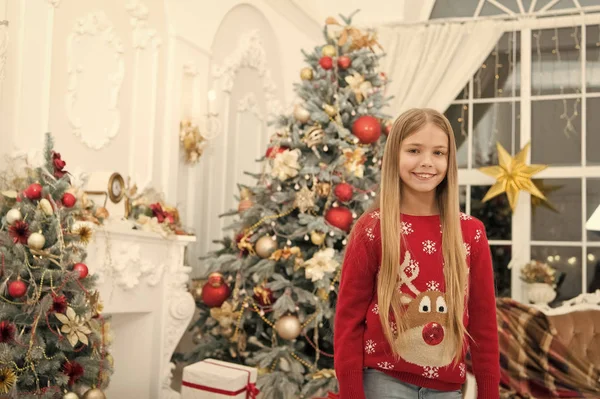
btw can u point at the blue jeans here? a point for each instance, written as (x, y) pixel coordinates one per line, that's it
(379, 385)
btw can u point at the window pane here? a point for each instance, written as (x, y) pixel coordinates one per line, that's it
(458, 115)
(501, 256)
(556, 61)
(593, 269)
(499, 75)
(566, 260)
(592, 203)
(556, 132)
(592, 67)
(495, 214)
(593, 131)
(491, 123)
(561, 220)
(453, 9)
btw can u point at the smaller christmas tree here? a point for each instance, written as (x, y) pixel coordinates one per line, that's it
(53, 339)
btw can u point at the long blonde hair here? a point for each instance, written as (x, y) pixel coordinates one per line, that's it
(455, 267)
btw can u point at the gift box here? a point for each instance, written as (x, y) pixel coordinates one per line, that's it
(214, 379)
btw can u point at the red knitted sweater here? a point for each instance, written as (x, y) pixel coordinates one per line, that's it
(359, 339)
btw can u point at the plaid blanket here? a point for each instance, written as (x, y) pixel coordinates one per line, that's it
(534, 363)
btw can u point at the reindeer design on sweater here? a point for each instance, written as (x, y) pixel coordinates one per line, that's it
(427, 320)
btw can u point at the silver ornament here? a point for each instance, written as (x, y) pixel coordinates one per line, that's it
(13, 215)
(70, 395)
(265, 246)
(36, 241)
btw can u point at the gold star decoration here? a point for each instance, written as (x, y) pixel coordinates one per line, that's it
(512, 176)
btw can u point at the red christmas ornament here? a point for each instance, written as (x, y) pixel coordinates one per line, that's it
(263, 296)
(326, 62)
(215, 291)
(17, 288)
(82, 269)
(33, 192)
(433, 334)
(367, 128)
(69, 200)
(340, 217)
(344, 62)
(273, 151)
(343, 192)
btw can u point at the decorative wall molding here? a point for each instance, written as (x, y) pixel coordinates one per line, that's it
(142, 34)
(249, 104)
(54, 3)
(3, 48)
(94, 24)
(250, 53)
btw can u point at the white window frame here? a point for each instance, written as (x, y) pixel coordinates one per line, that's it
(521, 220)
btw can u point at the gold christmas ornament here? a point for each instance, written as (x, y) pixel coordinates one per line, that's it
(317, 238)
(288, 327)
(192, 141)
(36, 241)
(94, 393)
(46, 207)
(8, 378)
(323, 189)
(306, 73)
(70, 395)
(301, 114)
(13, 215)
(110, 359)
(305, 199)
(328, 51)
(512, 175)
(314, 136)
(330, 110)
(265, 246)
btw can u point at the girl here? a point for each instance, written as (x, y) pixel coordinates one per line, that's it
(406, 310)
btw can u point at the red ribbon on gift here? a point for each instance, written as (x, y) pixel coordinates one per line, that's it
(251, 390)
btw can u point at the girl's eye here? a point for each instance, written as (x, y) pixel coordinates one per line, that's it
(440, 153)
(413, 150)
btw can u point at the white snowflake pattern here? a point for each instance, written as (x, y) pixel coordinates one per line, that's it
(375, 215)
(407, 228)
(375, 309)
(433, 286)
(478, 235)
(385, 365)
(370, 234)
(467, 248)
(370, 347)
(394, 327)
(429, 247)
(463, 370)
(430, 372)
(464, 216)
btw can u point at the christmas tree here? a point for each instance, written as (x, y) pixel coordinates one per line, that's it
(270, 296)
(53, 340)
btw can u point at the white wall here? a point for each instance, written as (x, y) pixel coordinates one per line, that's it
(112, 79)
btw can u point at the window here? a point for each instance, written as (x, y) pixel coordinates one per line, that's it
(540, 84)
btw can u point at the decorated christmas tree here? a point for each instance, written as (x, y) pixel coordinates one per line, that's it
(269, 299)
(53, 339)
